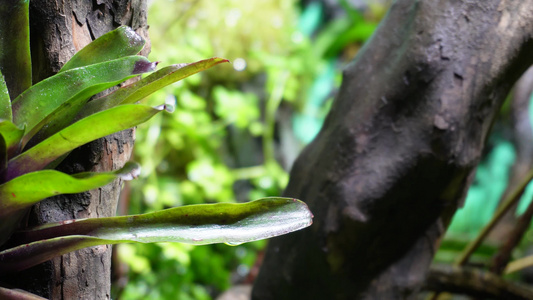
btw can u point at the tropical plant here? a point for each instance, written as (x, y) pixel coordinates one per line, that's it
(41, 123)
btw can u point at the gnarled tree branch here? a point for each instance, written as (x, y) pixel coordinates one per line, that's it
(398, 150)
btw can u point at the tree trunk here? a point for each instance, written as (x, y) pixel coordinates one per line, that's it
(398, 150)
(58, 30)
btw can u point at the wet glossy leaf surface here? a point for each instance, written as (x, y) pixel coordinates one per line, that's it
(12, 136)
(28, 189)
(196, 224)
(146, 86)
(118, 43)
(5, 101)
(22, 192)
(42, 99)
(86, 130)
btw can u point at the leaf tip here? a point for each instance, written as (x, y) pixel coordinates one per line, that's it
(143, 66)
(134, 39)
(169, 106)
(131, 173)
(219, 60)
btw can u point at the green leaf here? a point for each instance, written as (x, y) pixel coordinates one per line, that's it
(140, 89)
(79, 84)
(86, 130)
(195, 224)
(5, 101)
(118, 43)
(28, 189)
(15, 59)
(19, 194)
(12, 136)
(63, 116)
(3, 152)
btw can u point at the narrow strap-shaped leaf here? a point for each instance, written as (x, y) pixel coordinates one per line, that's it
(86, 130)
(3, 152)
(146, 86)
(195, 224)
(63, 116)
(28, 189)
(21, 193)
(12, 136)
(5, 101)
(15, 59)
(16, 294)
(18, 259)
(32, 106)
(118, 43)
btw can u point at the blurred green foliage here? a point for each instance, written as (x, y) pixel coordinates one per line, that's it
(236, 129)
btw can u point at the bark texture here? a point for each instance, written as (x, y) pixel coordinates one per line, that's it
(398, 150)
(59, 28)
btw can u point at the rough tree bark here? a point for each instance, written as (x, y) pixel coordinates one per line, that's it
(59, 28)
(398, 150)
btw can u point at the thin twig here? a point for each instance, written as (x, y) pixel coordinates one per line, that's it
(503, 255)
(509, 202)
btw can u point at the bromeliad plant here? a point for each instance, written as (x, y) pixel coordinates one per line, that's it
(40, 124)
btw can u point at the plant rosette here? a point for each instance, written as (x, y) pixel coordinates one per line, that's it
(42, 123)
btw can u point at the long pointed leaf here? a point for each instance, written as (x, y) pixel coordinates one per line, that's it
(5, 101)
(18, 259)
(16, 294)
(28, 189)
(86, 130)
(63, 116)
(15, 59)
(3, 152)
(21, 193)
(118, 43)
(142, 88)
(12, 136)
(32, 106)
(194, 224)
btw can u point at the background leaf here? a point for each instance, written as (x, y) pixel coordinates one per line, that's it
(15, 59)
